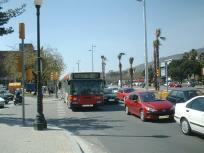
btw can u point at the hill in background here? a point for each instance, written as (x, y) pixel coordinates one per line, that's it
(162, 59)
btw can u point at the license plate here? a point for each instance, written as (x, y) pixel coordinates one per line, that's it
(111, 100)
(87, 105)
(165, 116)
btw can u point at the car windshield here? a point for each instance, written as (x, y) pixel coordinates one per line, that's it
(86, 87)
(192, 93)
(149, 97)
(128, 90)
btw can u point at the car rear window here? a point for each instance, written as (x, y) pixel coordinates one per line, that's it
(192, 93)
(128, 90)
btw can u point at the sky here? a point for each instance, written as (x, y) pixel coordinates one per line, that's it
(113, 26)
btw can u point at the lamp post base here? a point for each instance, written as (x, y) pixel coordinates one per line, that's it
(40, 122)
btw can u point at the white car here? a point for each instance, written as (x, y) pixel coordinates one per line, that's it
(2, 102)
(190, 115)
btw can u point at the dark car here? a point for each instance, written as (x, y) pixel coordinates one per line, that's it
(110, 96)
(2, 95)
(181, 95)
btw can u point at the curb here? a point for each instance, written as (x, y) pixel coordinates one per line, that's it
(76, 147)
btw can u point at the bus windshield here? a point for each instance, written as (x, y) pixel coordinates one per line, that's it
(86, 87)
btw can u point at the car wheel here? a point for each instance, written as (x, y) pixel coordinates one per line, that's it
(142, 116)
(127, 110)
(171, 118)
(95, 106)
(185, 127)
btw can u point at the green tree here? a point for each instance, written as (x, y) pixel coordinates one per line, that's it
(182, 69)
(175, 70)
(193, 54)
(186, 56)
(5, 16)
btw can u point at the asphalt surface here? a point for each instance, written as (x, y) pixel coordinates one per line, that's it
(109, 130)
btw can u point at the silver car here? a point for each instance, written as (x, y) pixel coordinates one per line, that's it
(2, 102)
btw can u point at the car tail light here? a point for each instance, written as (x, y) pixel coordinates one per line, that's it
(72, 98)
(98, 97)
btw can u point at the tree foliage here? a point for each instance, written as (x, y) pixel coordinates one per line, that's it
(5, 16)
(52, 61)
(184, 68)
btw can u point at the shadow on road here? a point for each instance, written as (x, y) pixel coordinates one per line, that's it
(103, 108)
(131, 136)
(76, 125)
(14, 121)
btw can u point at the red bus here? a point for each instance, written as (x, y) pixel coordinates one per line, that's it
(83, 89)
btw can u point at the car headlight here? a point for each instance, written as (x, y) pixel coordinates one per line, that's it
(150, 109)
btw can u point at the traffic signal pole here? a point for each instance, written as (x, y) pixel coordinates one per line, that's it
(22, 37)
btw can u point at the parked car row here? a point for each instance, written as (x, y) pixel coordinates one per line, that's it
(5, 97)
(185, 105)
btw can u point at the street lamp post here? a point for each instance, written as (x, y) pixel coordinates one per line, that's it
(78, 65)
(103, 58)
(92, 49)
(145, 41)
(40, 122)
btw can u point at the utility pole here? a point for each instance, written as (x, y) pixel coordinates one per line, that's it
(22, 37)
(78, 65)
(92, 50)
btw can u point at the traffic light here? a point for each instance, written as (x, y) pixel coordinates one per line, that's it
(56, 76)
(21, 30)
(19, 63)
(29, 75)
(158, 72)
(51, 76)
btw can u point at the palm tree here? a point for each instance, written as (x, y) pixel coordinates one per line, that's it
(131, 59)
(156, 44)
(103, 66)
(120, 67)
(155, 64)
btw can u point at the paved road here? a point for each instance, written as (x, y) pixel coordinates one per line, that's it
(109, 129)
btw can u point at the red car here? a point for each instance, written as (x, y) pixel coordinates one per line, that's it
(175, 85)
(146, 105)
(124, 92)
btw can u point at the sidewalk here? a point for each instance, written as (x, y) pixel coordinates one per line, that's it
(15, 138)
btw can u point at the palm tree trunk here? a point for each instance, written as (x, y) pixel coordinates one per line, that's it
(120, 67)
(157, 62)
(155, 69)
(131, 75)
